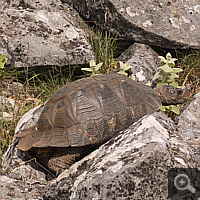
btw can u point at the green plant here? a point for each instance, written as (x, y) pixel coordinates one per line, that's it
(45, 85)
(190, 63)
(103, 46)
(4, 133)
(124, 67)
(166, 76)
(94, 68)
(167, 71)
(3, 60)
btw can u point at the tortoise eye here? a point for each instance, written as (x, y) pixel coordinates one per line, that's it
(179, 92)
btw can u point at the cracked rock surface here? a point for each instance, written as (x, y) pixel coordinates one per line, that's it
(42, 33)
(144, 60)
(169, 24)
(132, 165)
(189, 124)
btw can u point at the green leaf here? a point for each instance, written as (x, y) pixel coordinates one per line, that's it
(172, 75)
(170, 80)
(94, 74)
(98, 66)
(127, 66)
(176, 70)
(87, 69)
(92, 63)
(163, 108)
(1, 65)
(162, 63)
(172, 60)
(122, 72)
(174, 84)
(166, 68)
(175, 109)
(122, 65)
(171, 64)
(3, 59)
(148, 84)
(156, 76)
(168, 56)
(160, 83)
(162, 59)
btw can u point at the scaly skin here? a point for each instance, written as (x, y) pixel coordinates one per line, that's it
(171, 95)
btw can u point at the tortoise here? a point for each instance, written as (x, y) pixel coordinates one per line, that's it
(85, 113)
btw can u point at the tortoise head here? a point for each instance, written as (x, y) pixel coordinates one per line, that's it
(171, 95)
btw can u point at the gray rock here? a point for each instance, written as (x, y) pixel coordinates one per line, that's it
(144, 60)
(16, 189)
(21, 177)
(38, 33)
(8, 107)
(29, 119)
(189, 124)
(11, 157)
(132, 165)
(10, 88)
(168, 24)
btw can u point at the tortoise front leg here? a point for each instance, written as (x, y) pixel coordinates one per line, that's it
(57, 159)
(59, 162)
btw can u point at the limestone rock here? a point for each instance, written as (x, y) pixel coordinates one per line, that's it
(18, 162)
(7, 104)
(168, 24)
(10, 88)
(132, 165)
(144, 60)
(8, 107)
(12, 188)
(11, 157)
(21, 177)
(42, 33)
(189, 124)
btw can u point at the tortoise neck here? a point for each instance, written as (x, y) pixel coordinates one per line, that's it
(159, 91)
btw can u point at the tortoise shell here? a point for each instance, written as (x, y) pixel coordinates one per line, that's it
(90, 111)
